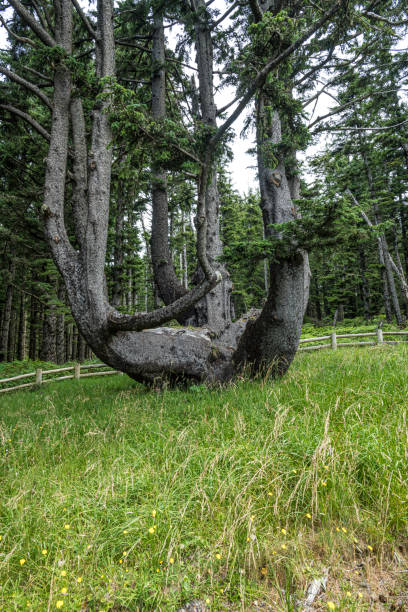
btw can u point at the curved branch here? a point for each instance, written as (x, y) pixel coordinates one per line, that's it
(27, 84)
(22, 39)
(26, 117)
(36, 27)
(140, 321)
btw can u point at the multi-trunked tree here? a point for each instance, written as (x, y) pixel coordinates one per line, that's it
(284, 45)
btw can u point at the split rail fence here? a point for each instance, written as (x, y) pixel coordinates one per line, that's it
(378, 335)
(77, 369)
(39, 374)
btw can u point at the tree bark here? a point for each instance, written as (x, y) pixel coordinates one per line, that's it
(5, 332)
(49, 334)
(168, 285)
(365, 292)
(117, 272)
(214, 310)
(22, 329)
(272, 339)
(60, 326)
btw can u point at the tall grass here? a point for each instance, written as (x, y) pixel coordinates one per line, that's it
(139, 500)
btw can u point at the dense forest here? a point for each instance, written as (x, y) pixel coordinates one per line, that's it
(157, 85)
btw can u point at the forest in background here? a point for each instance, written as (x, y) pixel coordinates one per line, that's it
(357, 193)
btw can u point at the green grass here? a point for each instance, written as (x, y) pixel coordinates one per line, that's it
(224, 471)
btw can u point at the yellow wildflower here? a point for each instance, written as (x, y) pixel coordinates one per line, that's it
(348, 593)
(22, 561)
(124, 553)
(324, 483)
(344, 530)
(331, 605)
(337, 528)
(151, 529)
(171, 560)
(67, 526)
(270, 493)
(158, 570)
(125, 531)
(284, 547)
(369, 547)
(252, 518)
(309, 516)
(283, 531)
(1, 537)
(154, 513)
(218, 556)
(294, 471)
(360, 595)
(79, 579)
(44, 551)
(207, 601)
(63, 573)
(64, 590)
(221, 590)
(59, 603)
(248, 539)
(326, 467)
(264, 571)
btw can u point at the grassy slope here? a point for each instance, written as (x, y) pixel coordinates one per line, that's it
(224, 472)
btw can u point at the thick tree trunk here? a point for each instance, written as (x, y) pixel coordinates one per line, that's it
(214, 310)
(169, 286)
(272, 339)
(117, 272)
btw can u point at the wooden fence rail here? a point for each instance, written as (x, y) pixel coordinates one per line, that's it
(39, 373)
(78, 368)
(334, 345)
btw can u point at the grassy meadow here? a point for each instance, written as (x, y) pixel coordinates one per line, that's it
(118, 498)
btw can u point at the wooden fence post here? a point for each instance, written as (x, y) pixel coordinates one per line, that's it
(77, 371)
(38, 376)
(380, 338)
(334, 341)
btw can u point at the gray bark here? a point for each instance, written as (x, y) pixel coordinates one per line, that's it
(60, 330)
(169, 286)
(215, 309)
(5, 331)
(118, 249)
(22, 327)
(272, 339)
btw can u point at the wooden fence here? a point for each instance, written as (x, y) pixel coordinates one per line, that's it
(333, 344)
(39, 374)
(78, 368)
